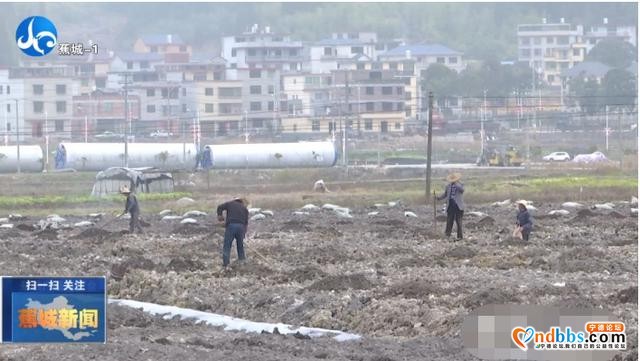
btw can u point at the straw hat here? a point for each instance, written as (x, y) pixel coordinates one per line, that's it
(241, 199)
(454, 177)
(124, 189)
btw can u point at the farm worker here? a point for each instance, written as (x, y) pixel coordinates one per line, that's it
(455, 205)
(236, 222)
(524, 224)
(133, 208)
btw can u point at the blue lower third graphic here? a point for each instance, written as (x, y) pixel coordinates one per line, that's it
(53, 309)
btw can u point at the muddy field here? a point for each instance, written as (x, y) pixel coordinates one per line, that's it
(392, 279)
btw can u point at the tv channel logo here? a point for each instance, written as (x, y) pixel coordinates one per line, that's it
(36, 36)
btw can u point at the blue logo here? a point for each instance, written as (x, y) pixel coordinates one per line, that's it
(36, 36)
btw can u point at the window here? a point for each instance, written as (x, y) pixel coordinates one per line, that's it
(151, 92)
(550, 78)
(144, 65)
(398, 126)
(453, 60)
(399, 90)
(369, 90)
(251, 52)
(8, 108)
(393, 66)
(184, 92)
(8, 89)
(277, 53)
(183, 48)
(387, 106)
(8, 127)
(375, 75)
(1, 89)
(270, 106)
(61, 89)
(101, 83)
(255, 89)
(328, 51)
(370, 106)
(129, 65)
(549, 39)
(360, 66)
(576, 52)
(257, 123)
(151, 108)
(229, 92)
(524, 41)
(293, 52)
(440, 59)
(387, 90)
(293, 66)
(563, 40)
(59, 125)
(368, 124)
(537, 40)
(525, 52)
(255, 74)
(38, 107)
(83, 82)
(400, 106)
(184, 108)
(107, 107)
(315, 125)
(208, 91)
(164, 92)
(61, 107)
(537, 52)
(200, 76)
(208, 108)
(38, 89)
(271, 89)
(357, 50)
(254, 106)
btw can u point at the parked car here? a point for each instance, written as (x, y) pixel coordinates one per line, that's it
(557, 157)
(160, 134)
(109, 135)
(595, 157)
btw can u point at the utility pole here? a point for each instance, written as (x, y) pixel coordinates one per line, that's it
(429, 143)
(606, 127)
(346, 120)
(246, 127)
(46, 141)
(482, 120)
(126, 120)
(17, 136)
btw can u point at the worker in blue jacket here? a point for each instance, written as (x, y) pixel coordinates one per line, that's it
(455, 205)
(133, 208)
(524, 221)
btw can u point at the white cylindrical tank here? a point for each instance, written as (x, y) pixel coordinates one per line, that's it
(99, 156)
(272, 155)
(30, 158)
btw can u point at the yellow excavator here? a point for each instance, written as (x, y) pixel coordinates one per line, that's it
(508, 157)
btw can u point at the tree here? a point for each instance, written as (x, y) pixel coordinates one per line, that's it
(588, 94)
(618, 89)
(613, 52)
(441, 80)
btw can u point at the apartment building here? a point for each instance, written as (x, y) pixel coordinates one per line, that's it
(596, 33)
(170, 46)
(426, 54)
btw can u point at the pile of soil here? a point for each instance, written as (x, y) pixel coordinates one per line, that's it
(190, 229)
(47, 234)
(95, 234)
(343, 282)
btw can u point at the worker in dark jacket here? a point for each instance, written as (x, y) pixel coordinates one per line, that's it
(236, 223)
(133, 208)
(455, 205)
(523, 221)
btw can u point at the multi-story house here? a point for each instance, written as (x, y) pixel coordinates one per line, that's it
(11, 107)
(170, 46)
(47, 100)
(101, 111)
(551, 48)
(426, 54)
(326, 55)
(594, 34)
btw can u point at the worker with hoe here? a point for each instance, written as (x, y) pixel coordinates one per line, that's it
(236, 222)
(455, 205)
(133, 208)
(524, 224)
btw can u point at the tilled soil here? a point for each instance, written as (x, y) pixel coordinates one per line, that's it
(392, 279)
